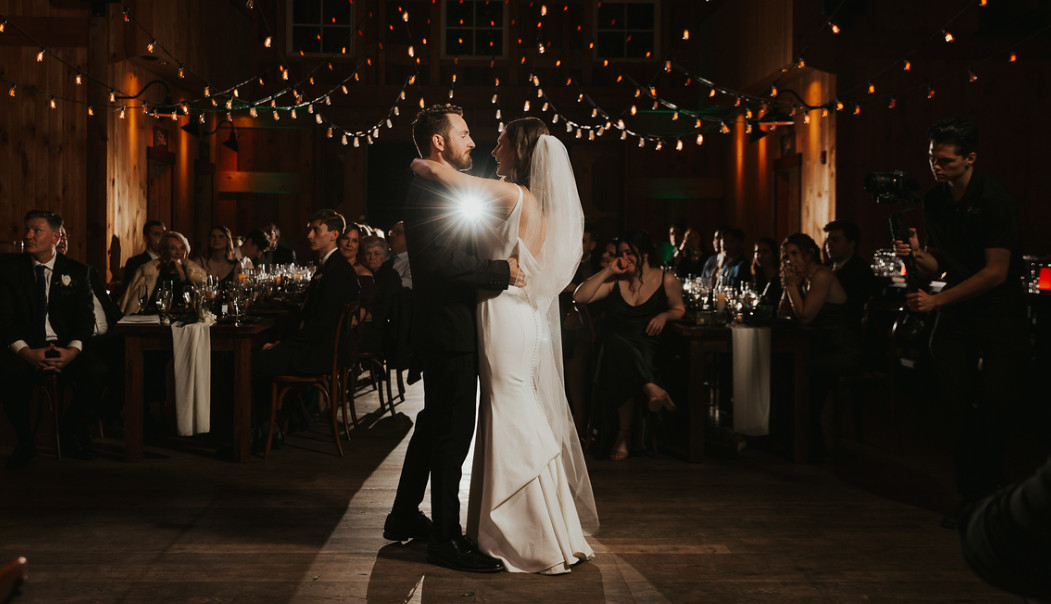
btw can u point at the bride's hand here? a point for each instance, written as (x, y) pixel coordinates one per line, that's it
(423, 168)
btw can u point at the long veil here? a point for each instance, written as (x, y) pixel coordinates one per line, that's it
(555, 189)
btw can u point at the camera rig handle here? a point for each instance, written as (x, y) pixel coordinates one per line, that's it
(899, 232)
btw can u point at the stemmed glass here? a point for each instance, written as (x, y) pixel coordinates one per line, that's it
(164, 302)
(238, 301)
(144, 298)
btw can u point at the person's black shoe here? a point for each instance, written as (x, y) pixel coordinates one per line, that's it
(460, 553)
(78, 446)
(20, 456)
(405, 527)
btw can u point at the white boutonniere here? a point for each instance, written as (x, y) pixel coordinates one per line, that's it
(66, 280)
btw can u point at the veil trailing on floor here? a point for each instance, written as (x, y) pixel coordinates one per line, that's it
(555, 189)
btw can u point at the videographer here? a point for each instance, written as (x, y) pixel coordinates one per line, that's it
(979, 338)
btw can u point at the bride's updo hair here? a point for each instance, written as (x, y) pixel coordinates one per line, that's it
(522, 135)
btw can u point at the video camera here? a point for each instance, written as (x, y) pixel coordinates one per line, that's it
(889, 187)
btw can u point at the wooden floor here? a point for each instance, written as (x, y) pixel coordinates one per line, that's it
(305, 526)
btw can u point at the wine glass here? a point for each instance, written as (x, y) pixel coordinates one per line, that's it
(164, 302)
(144, 298)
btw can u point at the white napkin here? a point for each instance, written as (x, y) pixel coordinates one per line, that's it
(192, 347)
(140, 320)
(751, 358)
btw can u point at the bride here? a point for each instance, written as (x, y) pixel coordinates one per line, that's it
(530, 499)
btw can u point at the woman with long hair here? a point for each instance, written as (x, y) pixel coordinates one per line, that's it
(766, 278)
(642, 299)
(530, 498)
(219, 260)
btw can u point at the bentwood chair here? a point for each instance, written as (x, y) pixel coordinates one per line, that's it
(327, 384)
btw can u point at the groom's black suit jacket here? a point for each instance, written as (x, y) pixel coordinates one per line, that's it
(71, 310)
(446, 270)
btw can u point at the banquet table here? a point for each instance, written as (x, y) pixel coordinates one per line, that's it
(241, 340)
(704, 342)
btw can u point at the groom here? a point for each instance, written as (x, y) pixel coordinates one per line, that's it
(447, 275)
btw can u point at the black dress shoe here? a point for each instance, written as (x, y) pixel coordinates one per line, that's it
(405, 527)
(460, 553)
(20, 456)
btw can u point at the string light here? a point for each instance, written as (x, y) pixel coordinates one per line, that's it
(253, 112)
(773, 90)
(678, 145)
(79, 79)
(91, 111)
(971, 76)
(317, 118)
(908, 65)
(122, 110)
(151, 45)
(700, 139)
(893, 103)
(723, 128)
(182, 72)
(685, 34)
(930, 93)
(40, 55)
(835, 28)
(293, 113)
(872, 87)
(1012, 58)
(267, 41)
(857, 108)
(948, 36)
(207, 92)
(357, 142)
(526, 106)
(51, 101)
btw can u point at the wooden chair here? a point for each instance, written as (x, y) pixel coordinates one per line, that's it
(327, 384)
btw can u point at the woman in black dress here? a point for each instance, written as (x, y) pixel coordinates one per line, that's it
(641, 300)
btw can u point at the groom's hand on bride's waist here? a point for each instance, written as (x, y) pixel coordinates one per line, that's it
(517, 276)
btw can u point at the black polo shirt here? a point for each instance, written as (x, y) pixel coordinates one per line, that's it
(960, 232)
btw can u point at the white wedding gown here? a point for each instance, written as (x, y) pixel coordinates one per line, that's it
(522, 507)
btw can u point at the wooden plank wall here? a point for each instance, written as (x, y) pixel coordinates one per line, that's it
(42, 149)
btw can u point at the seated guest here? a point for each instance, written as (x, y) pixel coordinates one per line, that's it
(46, 317)
(400, 254)
(666, 250)
(277, 253)
(218, 260)
(307, 350)
(689, 258)
(250, 253)
(765, 277)
(609, 252)
(151, 232)
(729, 265)
(643, 299)
(172, 266)
(1006, 537)
(853, 273)
(349, 243)
(377, 309)
(816, 298)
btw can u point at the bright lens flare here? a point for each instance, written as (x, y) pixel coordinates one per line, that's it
(470, 208)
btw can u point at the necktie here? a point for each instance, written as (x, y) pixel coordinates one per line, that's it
(41, 305)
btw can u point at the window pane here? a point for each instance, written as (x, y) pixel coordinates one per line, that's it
(611, 44)
(458, 13)
(306, 11)
(336, 39)
(638, 44)
(459, 42)
(489, 42)
(490, 14)
(611, 14)
(305, 38)
(337, 12)
(639, 16)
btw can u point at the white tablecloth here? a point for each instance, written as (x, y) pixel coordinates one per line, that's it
(751, 358)
(192, 347)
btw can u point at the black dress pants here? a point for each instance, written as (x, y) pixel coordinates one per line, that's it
(87, 373)
(441, 440)
(979, 362)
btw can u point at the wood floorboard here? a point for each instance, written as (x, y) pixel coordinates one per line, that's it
(305, 526)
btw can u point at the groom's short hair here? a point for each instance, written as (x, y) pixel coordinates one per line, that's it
(430, 121)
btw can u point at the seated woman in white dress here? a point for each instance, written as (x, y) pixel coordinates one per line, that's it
(531, 498)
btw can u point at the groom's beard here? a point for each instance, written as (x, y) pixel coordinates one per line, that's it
(462, 163)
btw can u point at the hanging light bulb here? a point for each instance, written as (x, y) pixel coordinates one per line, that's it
(659, 146)
(293, 113)
(200, 118)
(544, 107)
(839, 105)
(390, 124)
(329, 132)
(857, 108)
(806, 118)
(642, 143)
(554, 119)
(543, 10)
(412, 51)
(971, 76)
(11, 90)
(824, 112)
(79, 79)
(835, 28)
(122, 112)
(422, 103)
(375, 133)
(578, 134)
(591, 135)
(800, 63)
(773, 90)
(51, 102)
(151, 45)
(930, 92)
(872, 87)
(277, 116)
(91, 110)
(948, 36)
(3, 25)
(207, 92)
(284, 74)
(268, 41)
(450, 93)
(907, 66)
(594, 112)
(40, 55)
(737, 103)
(1012, 58)
(253, 112)
(633, 110)
(317, 118)
(893, 103)
(700, 139)
(396, 110)
(343, 87)
(667, 66)
(685, 34)
(620, 124)
(723, 128)
(343, 140)
(357, 142)
(498, 116)
(569, 126)
(229, 103)
(500, 127)
(675, 116)
(182, 72)
(711, 93)
(697, 123)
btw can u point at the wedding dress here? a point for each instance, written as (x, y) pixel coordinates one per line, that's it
(530, 500)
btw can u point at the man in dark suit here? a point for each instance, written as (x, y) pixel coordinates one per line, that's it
(853, 273)
(276, 253)
(308, 349)
(46, 316)
(447, 275)
(152, 232)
